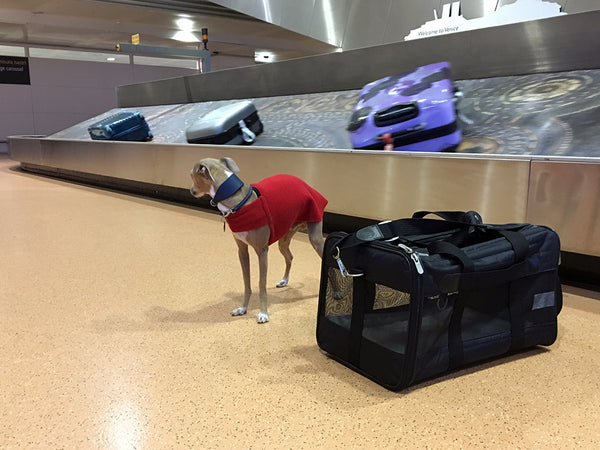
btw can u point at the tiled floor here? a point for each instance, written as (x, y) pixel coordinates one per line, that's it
(115, 333)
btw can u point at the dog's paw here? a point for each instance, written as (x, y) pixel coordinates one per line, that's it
(239, 311)
(263, 317)
(282, 283)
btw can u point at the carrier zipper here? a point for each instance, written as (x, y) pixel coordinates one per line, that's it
(415, 308)
(414, 325)
(406, 250)
(416, 305)
(414, 256)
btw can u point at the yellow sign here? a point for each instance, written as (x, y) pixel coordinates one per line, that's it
(135, 39)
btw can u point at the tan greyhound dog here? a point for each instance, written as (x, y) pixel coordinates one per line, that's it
(259, 215)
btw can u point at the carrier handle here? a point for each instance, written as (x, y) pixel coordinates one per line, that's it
(469, 281)
(403, 227)
(406, 227)
(394, 228)
(517, 241)
(448, 248)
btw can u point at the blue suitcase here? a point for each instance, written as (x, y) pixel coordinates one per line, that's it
(122, 126)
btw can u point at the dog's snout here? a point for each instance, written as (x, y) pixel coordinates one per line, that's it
(193, 191)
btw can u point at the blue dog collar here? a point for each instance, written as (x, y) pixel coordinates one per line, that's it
(229, 187)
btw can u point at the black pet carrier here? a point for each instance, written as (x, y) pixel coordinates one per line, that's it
(410, 299)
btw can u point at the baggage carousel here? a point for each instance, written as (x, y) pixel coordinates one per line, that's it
(540, 114)
(529, 116)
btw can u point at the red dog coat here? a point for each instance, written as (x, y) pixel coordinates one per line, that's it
(284, 200)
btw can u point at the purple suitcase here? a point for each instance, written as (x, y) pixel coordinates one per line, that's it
(415, 109)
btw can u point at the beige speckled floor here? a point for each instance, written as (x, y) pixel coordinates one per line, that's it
(115, 333)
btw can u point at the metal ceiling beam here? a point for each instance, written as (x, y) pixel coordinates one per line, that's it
(137, 49)
(196, 7)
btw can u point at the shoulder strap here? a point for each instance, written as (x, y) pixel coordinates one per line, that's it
(409, 227)
(406, 227)
(393, 229)
(471, 217)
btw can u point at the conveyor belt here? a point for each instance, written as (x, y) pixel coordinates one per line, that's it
(540, 114)
(303, 121)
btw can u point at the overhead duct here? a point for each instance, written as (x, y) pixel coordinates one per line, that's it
(196, 7)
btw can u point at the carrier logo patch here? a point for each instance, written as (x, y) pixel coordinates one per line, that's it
(543, 300)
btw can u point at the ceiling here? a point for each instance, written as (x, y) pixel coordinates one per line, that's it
(101, 24)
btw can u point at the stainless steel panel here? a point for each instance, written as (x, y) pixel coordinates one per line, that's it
(562, 193)
(471, 9)
(162, 92)
(561, 43)
(376, 185)
(329, 21)
(406, 15)
(367, 23)
(324, 20)
(270, 11)
(577, 6)
(566, 197)
(361, 23)
(296, 16)
(292, 15)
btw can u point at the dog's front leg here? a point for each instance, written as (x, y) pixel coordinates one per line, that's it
(245, 263)
(263, 262)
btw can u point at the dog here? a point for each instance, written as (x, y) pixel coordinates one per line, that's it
(260, 214)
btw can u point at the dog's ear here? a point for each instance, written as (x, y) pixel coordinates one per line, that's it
(202, 170)
(231, 165)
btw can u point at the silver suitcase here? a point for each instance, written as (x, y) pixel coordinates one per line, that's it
(233, 124)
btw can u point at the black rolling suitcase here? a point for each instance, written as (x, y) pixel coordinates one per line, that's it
(122, 126)
(410, 299)
(233, 124)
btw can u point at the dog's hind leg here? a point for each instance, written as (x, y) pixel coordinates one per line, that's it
(284, 248)
(315, 236)
(245, 263)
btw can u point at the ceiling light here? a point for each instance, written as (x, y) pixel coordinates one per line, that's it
(185, 33)
(185, 36)
(263, 57)
(185, 24)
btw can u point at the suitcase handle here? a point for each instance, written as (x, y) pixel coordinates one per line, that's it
(247, 135)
